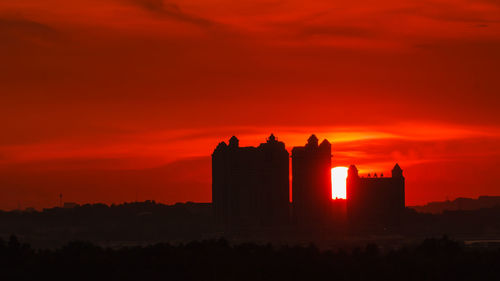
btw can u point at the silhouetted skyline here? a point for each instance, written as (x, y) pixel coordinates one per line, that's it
(250, 187)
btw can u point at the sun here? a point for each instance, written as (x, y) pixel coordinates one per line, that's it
(339, 176)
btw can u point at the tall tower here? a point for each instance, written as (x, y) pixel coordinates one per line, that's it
(311, 182)
(353, 195)
(399, 186)
(220, 185)
(274, 190)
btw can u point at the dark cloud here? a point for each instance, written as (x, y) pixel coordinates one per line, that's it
(26, 30)
(170, 10)
(331, 30)
(322, 25)
(448, 12)
(492, 2)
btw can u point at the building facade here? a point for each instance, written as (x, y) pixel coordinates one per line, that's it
(375, 201)
(250, 185)
(312, 182)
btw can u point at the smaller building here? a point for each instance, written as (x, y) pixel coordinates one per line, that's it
(375, 201)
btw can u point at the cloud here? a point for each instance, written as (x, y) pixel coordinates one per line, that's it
(170, 10)
(333, 30)
(15, 30)
(450, 12)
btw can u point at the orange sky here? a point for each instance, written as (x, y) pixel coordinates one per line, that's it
(113, 100)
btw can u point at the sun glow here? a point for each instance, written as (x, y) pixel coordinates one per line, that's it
(339, 176)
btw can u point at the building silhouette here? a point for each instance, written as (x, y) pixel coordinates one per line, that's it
(375, 201)
(250, 188)
(250, 185)
(312, 182)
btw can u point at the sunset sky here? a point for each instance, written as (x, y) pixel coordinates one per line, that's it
(117, 100)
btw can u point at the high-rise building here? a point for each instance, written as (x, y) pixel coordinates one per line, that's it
(250, 188)
(312, 182)
(250, 185)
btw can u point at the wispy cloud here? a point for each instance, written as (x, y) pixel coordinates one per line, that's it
(170, 10)
(375, 143)
(18, 29)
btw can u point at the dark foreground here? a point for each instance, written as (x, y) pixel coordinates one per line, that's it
(433, 259)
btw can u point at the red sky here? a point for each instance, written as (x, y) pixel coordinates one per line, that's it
(113, 100)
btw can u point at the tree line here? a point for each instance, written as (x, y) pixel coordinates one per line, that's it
(433, 259)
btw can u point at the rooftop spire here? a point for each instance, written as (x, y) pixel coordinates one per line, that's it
(352, 172)
(234, 142)
(271, 138)
(397, 172)
(312, 141)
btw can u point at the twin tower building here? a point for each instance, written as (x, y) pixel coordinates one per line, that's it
(251, 187)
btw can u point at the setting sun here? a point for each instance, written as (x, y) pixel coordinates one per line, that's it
(339, 176)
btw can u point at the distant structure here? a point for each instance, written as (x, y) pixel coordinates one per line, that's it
(70, 205)
(375, 201)
(29, 210)
(460, 203)
(312, 182)
(250, 185)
